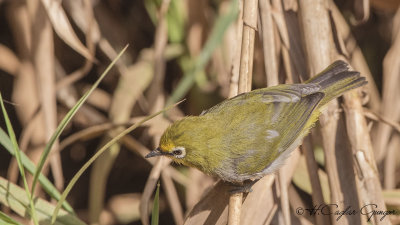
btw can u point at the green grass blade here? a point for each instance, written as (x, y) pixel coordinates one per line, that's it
(155, 212)
(98, 153)
(5, 219)
(66, 120)
(216, 36)
(12, 196)
(30, 167)
(18, 157)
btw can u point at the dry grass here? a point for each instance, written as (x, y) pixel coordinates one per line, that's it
(204, 51)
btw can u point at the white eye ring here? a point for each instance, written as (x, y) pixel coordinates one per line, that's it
(179, 152)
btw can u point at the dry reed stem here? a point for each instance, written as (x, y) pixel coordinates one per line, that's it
(377, 117)
(391, 94)
(250, 9)
(284, 197)
(61, 25)
(235, 208)
(391, 163)
(318, 43)
(291, 47)
(368, 177)
(391, 72)
(18, 16)
(247, 47)
(312, 168)
(281, 22)
(43, 61)
(90, 32)
(269, 43)
(357, 59)
(234, 82)
(83, 16)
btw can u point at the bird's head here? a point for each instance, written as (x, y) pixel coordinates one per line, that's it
(177, 141)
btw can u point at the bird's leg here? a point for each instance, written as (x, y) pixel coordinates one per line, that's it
(245, 187)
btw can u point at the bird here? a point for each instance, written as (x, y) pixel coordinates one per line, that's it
(244, 138)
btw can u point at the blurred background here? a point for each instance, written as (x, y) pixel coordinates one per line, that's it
(51, 53)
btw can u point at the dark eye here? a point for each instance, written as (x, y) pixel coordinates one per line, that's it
(177, 152)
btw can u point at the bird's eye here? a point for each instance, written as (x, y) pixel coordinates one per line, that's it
(179, 152)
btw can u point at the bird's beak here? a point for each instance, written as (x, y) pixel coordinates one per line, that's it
(155, 152)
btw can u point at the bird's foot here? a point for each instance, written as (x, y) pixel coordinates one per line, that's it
(245, 187)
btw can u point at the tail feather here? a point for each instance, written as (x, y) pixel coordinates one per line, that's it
(336, 67)
(337, 79)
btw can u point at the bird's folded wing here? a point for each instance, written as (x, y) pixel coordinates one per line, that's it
(287, 120)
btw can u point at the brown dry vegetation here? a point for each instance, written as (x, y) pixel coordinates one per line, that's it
(51, 52)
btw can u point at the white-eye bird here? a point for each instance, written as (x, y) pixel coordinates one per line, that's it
(250, 135)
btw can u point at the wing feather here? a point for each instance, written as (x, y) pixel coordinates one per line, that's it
(274, 117)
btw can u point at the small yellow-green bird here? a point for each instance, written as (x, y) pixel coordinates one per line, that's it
(242, 139)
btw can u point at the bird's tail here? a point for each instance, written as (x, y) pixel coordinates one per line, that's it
(337, 79)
